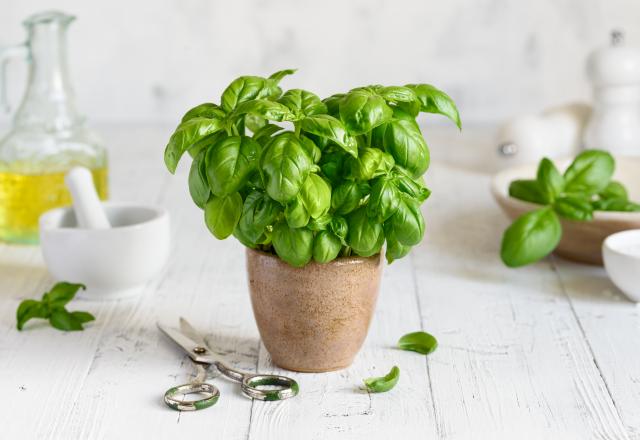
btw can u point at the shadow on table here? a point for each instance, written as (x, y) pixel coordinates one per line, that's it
(588, 283)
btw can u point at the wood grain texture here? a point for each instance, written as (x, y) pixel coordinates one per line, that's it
(548, 351)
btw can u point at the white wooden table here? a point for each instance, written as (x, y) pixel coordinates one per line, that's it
(550, 351)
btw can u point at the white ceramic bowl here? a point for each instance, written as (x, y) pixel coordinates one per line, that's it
(621, 255)
(112, 263)
(581, 241)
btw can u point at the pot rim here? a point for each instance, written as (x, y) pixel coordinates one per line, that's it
(340, 261)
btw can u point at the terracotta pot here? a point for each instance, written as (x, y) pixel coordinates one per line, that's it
(314, 318)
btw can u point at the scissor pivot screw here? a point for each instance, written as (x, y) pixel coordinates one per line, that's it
(199, 350)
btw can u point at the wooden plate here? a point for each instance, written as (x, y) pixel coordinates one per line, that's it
(581, 241)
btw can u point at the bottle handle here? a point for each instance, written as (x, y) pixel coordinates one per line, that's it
(6, 54)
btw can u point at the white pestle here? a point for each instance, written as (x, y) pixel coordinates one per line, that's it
(86, 204)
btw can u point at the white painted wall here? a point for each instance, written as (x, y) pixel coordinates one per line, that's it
(148, 60)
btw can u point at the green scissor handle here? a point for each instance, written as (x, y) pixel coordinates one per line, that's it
(210, 392)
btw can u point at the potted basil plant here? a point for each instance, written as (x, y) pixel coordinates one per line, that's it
(313, 188)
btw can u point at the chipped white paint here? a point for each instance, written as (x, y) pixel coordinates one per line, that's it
(549, 351)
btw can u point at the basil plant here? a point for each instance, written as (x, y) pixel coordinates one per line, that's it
(309, 178)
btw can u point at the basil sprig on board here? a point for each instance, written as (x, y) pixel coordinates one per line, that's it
(307, 178)
(53, 307)
(586, 186)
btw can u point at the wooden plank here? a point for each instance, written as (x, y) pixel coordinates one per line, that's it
(611, 324)
(513, 361)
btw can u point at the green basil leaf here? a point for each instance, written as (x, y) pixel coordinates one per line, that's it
(244, 89)
(296, 214)
(270, 110)
(347, 196)
(412, 187)
(198, 185)
(254, 122)
(420, 342)
(361, 111)
(384, 383)
(263, 135)
(303, 103)
(370, 163)
(311, 148)
(229, 163)
(293, 245)
(614, 190)
(339, 227)
(407, 222)
(332, 166)
(589, 173)
(619, 205)
(206, 110)
(319, 224)
(187, 134)
(330, 128)
(205, 142)
(384, 199)
(365, 236)
(550, 181)
(326, 247)
(574, 208)
(63, 292)
(63, 320)
(285, 165)
(315, 194)
(258, 212)
(333, 104)
(29, 309)
(395, 249)
(397, 94)
(404, 141)
(531, 237)
(82, 317)
(527, 190)
(281, 74)
(221, 214)
(433, 100)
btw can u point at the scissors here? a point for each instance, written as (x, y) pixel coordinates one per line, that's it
(280, 387)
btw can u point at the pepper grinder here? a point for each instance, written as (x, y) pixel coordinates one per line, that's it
(614, 124)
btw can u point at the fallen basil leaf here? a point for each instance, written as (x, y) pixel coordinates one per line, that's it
(384, 383)
(29, 308)
(420, 342)
(63, 320)
(61, 293)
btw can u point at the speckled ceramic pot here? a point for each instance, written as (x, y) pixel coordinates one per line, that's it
(315, 318)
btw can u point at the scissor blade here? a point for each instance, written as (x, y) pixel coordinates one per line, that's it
(191, 332)
(187, 344)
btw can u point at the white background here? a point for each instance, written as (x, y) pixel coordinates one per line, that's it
(149, 60)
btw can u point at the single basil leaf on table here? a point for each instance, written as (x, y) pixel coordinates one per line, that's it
(229, 163)
(293, 245)
(365, 237)
(28, 309)
(186, 135)
(221, 214)
(550, 181)
(404, 141)
(589, 173)
(574, 208)
(61, 293)
(614, 190)
(63, 320)
(315, 194)
(328, 127)
(527, 190)
(296, 214)
(198, 185)
(206, 110)
(326, 247)
(285, 166)
(420, 342)
(433, 100)
(362, 111)
(82, 317)
(531, 237)
(384, 383)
